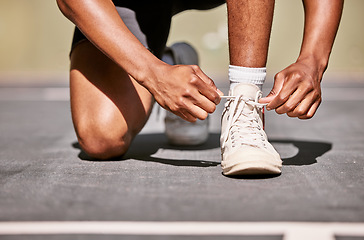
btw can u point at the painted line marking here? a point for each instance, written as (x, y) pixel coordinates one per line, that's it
(289, 230)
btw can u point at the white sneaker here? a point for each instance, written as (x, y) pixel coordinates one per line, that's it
(244, 145)
(177, 130)
(183, 133)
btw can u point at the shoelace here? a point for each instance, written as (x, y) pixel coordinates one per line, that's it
(245, 124)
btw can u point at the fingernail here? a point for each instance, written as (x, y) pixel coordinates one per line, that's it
(220, 93)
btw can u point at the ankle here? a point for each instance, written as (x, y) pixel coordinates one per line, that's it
(238, 74)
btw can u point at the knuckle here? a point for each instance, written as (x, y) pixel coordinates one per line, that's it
(309, 85)
(317, 94)
(181, 103)
(194, 79)
(280, 98)
(298, 75)
(211, 82)
(289, 107)
(173, 108)
(291, 114)
(195, 67)
(279, 111)
(300, 112)
(186, 92)
(273, 92)
(279, 75)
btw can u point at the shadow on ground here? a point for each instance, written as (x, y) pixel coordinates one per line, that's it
(145, 147)
(308, 151)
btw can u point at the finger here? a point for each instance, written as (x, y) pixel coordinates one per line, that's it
(189, 111)
(204, 103)
(205, 94)
(268, 98)
(207, 87)
(197, 112)
(301, 110)
(287, 89)
(278, 84)
(292, 101)
(186, 116)
(312, 110)
(182, 113)
(197, 104)
(220, 94)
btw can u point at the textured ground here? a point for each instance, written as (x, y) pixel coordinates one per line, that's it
(44, 176)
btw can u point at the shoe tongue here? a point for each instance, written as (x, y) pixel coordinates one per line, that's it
(246, 89)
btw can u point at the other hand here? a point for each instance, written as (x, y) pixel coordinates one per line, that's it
(296, 90)
(185, 91)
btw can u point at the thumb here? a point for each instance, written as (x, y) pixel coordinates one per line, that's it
(268, 98)
(277, 87)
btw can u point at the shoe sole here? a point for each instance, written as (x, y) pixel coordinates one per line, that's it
(252, 168)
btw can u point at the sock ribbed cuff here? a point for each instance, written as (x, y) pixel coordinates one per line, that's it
(239, 74)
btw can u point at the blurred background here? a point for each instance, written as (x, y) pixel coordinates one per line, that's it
(35, 41)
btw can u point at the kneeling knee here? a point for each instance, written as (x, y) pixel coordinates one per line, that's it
(104, 147)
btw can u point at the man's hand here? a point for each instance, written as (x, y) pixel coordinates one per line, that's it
(296, 90)
(185, 91)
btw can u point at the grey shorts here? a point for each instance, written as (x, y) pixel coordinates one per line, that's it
(150, 20)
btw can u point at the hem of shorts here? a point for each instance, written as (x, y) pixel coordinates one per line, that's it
(75, 45)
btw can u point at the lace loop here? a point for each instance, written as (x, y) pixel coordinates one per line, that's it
(244, 121)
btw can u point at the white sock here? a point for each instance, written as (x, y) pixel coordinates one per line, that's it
(239, 74)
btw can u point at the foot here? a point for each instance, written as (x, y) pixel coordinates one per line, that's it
(177, 130)
(182, 133)
(244, 145)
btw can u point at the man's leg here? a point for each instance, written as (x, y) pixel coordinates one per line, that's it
(249, 32)
(249, 23)
(108, 107)
(244, 144)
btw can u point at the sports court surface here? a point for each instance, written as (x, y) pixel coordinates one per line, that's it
(50, 190)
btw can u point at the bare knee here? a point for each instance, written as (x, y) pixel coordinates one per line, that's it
(103, 146)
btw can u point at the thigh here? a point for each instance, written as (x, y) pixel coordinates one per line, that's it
(149, 21)
(107, 104)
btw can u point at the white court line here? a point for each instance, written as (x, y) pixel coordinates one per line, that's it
(289, 230)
